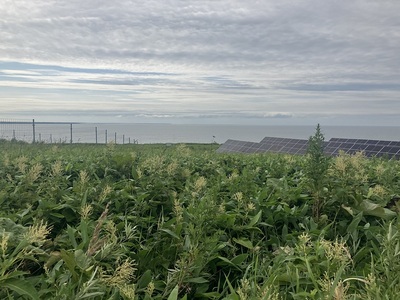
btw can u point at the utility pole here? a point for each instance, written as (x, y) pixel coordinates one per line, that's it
(33, 125)
(71, 133)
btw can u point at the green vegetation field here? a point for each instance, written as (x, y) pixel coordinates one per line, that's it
(183, 222)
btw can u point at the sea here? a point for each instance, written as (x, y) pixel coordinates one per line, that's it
(149, 133)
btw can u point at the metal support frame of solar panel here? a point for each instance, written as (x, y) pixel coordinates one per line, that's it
(370, 148)
(284, 145)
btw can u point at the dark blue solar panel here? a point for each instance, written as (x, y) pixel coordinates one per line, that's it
(358, 147)
(395, 144)
(298, 146)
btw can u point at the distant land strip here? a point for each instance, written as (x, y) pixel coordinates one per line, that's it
(30, 122)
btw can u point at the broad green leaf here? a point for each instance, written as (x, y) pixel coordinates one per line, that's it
(71, 235)
(57, 215)
(266, 224)
(144, 280)
(171, 233)
(134, 173)
(54, 258)
(69, 214)
(353, 225)
(69, 259)
(224, 259)
(81, 259)
(174, 293)
(284, 278)
(21, 287)
(372, 209)
(255, 219)
(237, 260)
(83, 226)
(284, 232)
(197, 280)
(244, 242)
(348, 209)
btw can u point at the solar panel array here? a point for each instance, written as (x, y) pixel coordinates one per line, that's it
(370, 148)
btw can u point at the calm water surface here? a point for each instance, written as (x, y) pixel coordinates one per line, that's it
(187, 133)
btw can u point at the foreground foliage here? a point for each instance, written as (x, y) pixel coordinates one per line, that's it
(182, 222)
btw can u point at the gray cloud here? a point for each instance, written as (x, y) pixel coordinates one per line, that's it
(165, 58)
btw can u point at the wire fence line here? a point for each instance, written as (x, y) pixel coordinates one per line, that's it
(32, 131)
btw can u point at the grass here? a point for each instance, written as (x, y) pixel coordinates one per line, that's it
(183, 222)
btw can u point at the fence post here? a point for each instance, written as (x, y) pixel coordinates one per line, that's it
(95, 130)
(51, 138)
(33, 125)
(123, 139)
(106, 136)
(71, 133)
(13, 134)
(115, 138)
(40, 137)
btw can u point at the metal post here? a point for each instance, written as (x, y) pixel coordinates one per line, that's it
(95, 130)
(33, 125)
(106, 136)
(129, 140)
(123, 139)
(40, 137)
(13, 134)
(51, 138)
(115, 138)
(71, 133)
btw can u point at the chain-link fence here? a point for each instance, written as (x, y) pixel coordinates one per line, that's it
(32, 131)
(20, 130)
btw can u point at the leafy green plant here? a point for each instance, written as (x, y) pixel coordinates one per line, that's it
(316, 167)
(182, 222)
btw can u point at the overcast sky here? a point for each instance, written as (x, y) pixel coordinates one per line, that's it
(255, 62)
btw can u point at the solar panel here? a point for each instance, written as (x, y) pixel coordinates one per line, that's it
(268, 144)
(235, 146)
(370, 148)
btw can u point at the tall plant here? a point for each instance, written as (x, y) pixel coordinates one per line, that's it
(317, 165)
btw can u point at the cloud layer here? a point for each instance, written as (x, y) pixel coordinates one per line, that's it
(201, 59)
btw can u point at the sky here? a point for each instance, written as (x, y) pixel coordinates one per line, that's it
(201, 61)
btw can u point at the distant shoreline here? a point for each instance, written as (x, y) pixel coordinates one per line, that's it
(31, 122)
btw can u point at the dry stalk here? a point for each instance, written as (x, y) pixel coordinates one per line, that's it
(96, 242)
